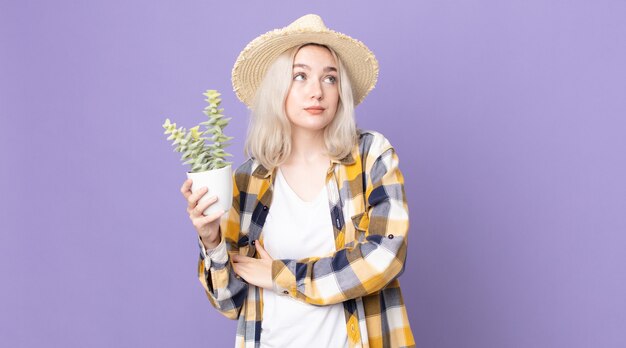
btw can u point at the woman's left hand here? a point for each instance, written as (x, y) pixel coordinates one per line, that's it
(255, 271)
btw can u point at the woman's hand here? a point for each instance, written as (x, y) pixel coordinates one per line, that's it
(255, 271)
(208, 227)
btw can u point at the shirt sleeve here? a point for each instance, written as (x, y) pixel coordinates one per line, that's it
(365, 267)
(224, 289)
(218, 254)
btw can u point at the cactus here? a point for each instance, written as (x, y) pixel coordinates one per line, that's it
(193, 144)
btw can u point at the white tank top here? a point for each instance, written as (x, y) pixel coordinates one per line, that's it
(296, 229)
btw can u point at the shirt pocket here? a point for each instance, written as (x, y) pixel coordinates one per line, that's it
(361, 223)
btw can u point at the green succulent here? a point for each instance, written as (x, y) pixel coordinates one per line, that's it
(194, 144)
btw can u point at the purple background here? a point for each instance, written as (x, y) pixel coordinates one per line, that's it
(508, 117)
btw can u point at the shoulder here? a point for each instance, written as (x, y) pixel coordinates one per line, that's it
(372, 143)
(250, 171)
(245, 174)
(377, 156)
(252, 167)
(246, 168)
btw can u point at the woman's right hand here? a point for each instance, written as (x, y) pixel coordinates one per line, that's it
(208, 227)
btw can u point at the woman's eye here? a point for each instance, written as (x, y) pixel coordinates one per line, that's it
(330, 79)
(299, 77)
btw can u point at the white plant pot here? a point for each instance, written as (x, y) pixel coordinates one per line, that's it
(220, 184)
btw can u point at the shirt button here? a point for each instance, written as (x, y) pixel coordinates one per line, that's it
(252, 242)
(390, 236)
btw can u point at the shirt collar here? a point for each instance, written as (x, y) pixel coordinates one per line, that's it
(261, 172)
(347, 160)
(264, 173)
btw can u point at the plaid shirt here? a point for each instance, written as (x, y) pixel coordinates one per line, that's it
(370, 222)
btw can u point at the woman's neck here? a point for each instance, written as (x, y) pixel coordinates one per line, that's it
(307, 147)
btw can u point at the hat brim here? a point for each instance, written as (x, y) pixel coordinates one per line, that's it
(254, 61)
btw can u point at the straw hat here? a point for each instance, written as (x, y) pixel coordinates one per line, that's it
(260, 53)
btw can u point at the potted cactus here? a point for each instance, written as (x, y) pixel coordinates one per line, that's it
(208, 165)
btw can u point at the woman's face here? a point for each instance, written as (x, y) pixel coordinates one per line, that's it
(312, 100)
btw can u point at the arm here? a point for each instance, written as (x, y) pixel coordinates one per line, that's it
(365, 267)
(225, 291)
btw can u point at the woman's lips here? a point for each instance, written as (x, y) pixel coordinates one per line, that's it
(315, 110)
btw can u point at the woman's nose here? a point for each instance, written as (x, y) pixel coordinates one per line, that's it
(316, 90)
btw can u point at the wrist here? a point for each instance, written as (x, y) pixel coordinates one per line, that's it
(210, 244)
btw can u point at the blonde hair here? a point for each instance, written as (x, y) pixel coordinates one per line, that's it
(269, 131)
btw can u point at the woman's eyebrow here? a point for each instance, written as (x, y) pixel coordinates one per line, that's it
(304, 66)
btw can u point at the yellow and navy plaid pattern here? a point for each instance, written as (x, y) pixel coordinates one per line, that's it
(370, 219)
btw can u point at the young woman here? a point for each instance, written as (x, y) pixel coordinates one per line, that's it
(310, 252)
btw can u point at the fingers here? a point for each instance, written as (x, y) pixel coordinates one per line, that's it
(214, 216)
(192, 197)
(243, 266)
(186, 188)
(239, 267)
(241, 259)
(254, 271)
(240, 272)
(262, 252)
(197, 210)
(200, 221)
